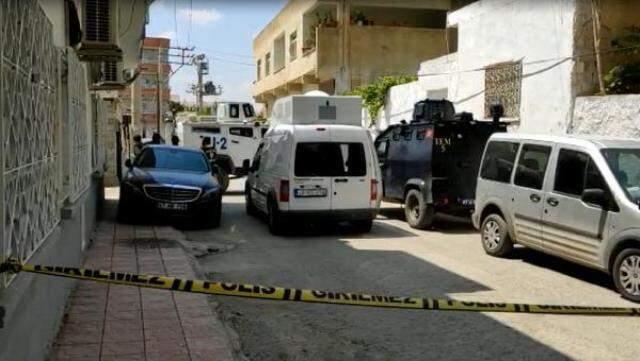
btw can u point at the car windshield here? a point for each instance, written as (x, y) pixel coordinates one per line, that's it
(174, 159)
(625, 165)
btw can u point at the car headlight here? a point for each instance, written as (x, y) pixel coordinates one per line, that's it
(211, 193)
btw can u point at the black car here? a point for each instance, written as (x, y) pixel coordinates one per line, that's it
(431, 164)
(170, 181)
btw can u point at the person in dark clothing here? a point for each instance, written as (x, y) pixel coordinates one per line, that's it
(175, 140)
(156, 138)
(137, 144)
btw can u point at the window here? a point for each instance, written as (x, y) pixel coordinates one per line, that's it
(327, 112)
(176, 159)
(502, 84)
(575, 172)
(258, 69)
(278, 53)
(248, 110)
(625, 165)
(532, 166)
(293, 46)
(234, 110)
(330, 160)
(407, 133)
(148, 81)
(498, 161)
(242, 132)
(382, 149)
(267, 64)
(263, 131)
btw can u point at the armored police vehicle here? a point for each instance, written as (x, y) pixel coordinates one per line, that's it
(431, 164)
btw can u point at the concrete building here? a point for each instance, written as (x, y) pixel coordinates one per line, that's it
(336, 46)
(533, 57)
(58, 74)
(145, 91)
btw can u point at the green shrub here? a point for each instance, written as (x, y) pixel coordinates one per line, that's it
(625, 78)
(374, 95)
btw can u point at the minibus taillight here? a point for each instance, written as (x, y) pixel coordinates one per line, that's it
(284, 190)
(374, 190)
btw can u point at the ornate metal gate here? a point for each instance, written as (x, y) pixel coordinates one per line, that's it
(30, 185)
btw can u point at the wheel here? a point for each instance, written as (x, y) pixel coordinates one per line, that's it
(362, 226)
(249, 206)
(626, 274)
(223, 178)
(213, 217)
(125, 213)
(495, 236)
(275, 218)
(417, 212)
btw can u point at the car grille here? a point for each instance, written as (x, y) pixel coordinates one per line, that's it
(175, 194)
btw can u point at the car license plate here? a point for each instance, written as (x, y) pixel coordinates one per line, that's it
(310, 193)
(172, 206)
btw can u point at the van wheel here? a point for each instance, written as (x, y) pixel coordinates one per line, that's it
(275, 218)
(495, 236)
(626, 274)
(417, 212)
(223, 178)
(362, 226)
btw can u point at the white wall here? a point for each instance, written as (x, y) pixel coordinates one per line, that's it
(495, 31)
(613, 115)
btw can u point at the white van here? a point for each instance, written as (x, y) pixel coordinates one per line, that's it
(317, 171)
(574, 197)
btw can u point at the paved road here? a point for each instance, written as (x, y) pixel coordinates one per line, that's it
(395, 259)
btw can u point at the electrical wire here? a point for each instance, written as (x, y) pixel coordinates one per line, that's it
(230, 61)
(533, 62)
(175, 18)
(190, 22)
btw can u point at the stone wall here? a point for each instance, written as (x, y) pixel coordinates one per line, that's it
(613, 115)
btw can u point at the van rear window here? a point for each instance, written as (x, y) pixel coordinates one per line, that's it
(327, 159)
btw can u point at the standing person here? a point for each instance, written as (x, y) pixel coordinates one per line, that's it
(156, 138)
(175, 140)
(137, 145)
(207, 148)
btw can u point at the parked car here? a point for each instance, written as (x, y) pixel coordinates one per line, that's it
(573, 197)
(315, 171)
(172, 181)
(431, 164)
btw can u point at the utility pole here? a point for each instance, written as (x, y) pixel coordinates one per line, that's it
(201, 88)
(159, 90)
(161, 81)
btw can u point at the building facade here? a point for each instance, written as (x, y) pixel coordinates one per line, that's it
(335, 46)
(151, 85)
(56, 100)
(535, 58)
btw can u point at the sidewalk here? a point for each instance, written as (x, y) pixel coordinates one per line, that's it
(112, 322)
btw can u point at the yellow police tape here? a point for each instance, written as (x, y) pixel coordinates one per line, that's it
(311, 296)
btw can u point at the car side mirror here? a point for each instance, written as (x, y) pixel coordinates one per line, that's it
(595, 196)
(128, 163)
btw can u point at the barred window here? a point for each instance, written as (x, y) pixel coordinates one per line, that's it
(503, 84)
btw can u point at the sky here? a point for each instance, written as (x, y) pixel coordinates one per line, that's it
(221, 29)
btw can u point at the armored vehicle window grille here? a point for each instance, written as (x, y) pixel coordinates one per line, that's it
(242, 132)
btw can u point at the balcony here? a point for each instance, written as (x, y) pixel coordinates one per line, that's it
(319, 61)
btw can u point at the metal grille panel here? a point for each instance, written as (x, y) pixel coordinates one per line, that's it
(30, 168)
(77, 129)
(172, 194)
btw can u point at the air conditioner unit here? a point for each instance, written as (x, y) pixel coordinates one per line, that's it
(99, 31)
(111, 77)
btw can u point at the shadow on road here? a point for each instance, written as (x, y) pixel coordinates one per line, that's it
(442, 223)
(323, 260)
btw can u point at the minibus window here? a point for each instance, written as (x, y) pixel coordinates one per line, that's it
(498, 161)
